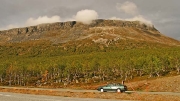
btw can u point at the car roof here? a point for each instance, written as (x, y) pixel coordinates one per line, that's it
(114, 84)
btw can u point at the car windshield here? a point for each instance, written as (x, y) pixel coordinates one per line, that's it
(114, 84)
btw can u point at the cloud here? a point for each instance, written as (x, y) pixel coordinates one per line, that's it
(115, 18)
(141, 19)
(40, 20)
(86, 16)
(135, 18)
(127, 7)
(131, 9)
(9, 27)
(33, 21)
(69, 19)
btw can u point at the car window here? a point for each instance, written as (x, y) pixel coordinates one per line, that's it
(109, 85)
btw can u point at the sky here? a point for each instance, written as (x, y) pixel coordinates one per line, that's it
(163, 14)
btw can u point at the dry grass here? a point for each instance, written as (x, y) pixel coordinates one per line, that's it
(170, 84)
(164, 84)
(107, 95)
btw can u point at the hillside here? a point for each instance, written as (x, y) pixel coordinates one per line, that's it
(99, 31)
(66, 53)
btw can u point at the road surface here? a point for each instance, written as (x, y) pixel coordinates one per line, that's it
(4, 96)
(74, 90)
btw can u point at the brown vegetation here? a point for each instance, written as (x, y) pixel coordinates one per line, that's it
(169, 84)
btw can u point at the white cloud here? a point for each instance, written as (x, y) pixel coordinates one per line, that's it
(86, 16)
(128, 8)
(40, 20)
(69, 19)
(141, 19)
(136, 18)
(131, 9)
(9, 27)
(115, 18)
(33, 21)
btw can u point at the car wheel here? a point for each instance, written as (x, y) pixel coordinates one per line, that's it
(102, 90)
(119, 90)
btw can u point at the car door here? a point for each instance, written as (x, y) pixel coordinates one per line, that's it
(107, 87)
(114, 88)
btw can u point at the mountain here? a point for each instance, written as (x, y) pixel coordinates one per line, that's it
(72, 52)
(104, 32)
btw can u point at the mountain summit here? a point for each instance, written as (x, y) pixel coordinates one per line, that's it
(99, 31)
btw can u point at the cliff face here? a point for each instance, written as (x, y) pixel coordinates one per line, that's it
(66, 25)
(32, 32)
(97, 31)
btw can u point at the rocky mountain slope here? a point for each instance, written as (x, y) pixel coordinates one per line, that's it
(99, 31)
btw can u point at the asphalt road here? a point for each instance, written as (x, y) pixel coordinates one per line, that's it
(74, 90)
(4, 96)
(7, 96)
